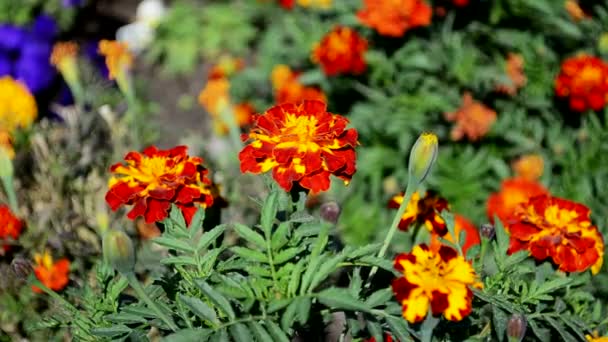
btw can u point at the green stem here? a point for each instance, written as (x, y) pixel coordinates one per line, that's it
(53, 295)
(409, 192)
(7, 182)
(141, 293)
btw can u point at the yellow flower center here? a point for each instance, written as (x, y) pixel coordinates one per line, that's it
(45, 260)
(556, 221)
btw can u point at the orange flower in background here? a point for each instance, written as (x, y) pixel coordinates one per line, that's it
(54, 275)
(515, 71)
(424, 211)
(244, 115)
(472, 237)
(151, 181)
(584, 81)
(118, 57)
(287, 4)
(513, 193)
(10, 228)
(473, 119)
(575, 11)
(215, 97)
(435, 279)
(288, 89)
(394, 17)
(551, 227)
(301, 144)
(529, 167)
(341, 51)
(6, 143)
(226, 66)
(64, 53)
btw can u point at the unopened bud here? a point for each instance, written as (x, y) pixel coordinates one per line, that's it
(516, 328)
(422, 158)
(118, 251)
(487, 231)
(330, 212)
(21, 267)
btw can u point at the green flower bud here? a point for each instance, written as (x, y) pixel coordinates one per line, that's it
(422, 158)
(118, 251)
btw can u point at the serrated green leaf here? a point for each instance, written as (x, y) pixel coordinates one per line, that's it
(399, 328)
(499, 321)
(515, 258)
(269, 212)
(209, 237)
(379, 297)
(313, 264)
(186, 335)
(294, 281)
(278, 304)
(173, 243)
(219, 336)
(363, 251)
(259, 332)
(112, 331)
(502, 238)
(250, 235)
(289, 316)
(249, 254)
(280, 236)
(200, 308)
(240, 333)
(196, 224)
(286, 255)
(277, 334)
(177, 217)
(339, 298)
(566, 336)
(375, 330)
(216, 298)
(325, 270)
(303, 304)
(179, 260)
(125, 318)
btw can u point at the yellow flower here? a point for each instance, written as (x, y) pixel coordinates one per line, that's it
(596, 338)
(215, 97)
(118, 57)
(17, 105)
(315, 3)
(436, 279)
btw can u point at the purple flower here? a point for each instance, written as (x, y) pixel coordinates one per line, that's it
(12, 36)
(44, 27)
(36, 74)
(71, 3)
(6, 65)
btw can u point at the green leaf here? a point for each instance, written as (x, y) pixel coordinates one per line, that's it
(240, 333)
(216, 298)
(286, 255)
(186, 335)
(363, 251)
(199, 308)
(112, 331)
(339, 298)
(259, 332)
(220, 336)
(566, 336)
(277, 334)
(294, 281)
(325, 270)
(249, 254)
(179, 260)
(125, 317)
(304, 304)
(177, 217)
(375, 330)
(289, 316)
(280, 238)
(173, 243)
(209, 237)
(379, 297)
(313, 265)
(499, 320)
(278, 304)
(502, 238)
(515, 259)
(269, 212)
(196, 224)
(399, 328)
(250, 235)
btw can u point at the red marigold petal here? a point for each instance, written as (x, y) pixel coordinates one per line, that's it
(188, 212)
(121, 193)
(132, 156)
(439, 302)
(187, 194)
(402, 288)
(313, 107)
(162, 193)
(157, 210)
(523, 230)
(139, 209)
(316, 182)
(447, 253)
(403, 257)
(516, 246)
(150, 151)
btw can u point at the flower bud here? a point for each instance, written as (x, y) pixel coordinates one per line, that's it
(6, 164)
(118, 251)
(516, 328)
(21, 268)
(422, 158)
(487, 231)
(330, 212)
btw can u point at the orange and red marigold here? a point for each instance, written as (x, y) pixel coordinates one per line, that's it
(10, 228)
(54, 275)
(341, 51)
(551, 227)
(583, 80)
(394, 17)
(438, 279)
(288, 89)
(461, 223)
(473, 119)
(424, 210)
(151, 181)
(301, 144)
(513, 193)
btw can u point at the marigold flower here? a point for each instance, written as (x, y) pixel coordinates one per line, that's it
(575, 11)
(63, 58)
(225, 67)
(54, 275)
(515, 71)
(288, 89)
(595, 337)
(472, 237)
(341, 51)
(394, 17)
(301, 144)
(473, 119)
(315, 3)
(529, 167)
(10, 228)
(215, 97)
(551, 227)
(583, 80)
(287, 4)
(513, 193)
(422, 211)
(18, 108)
(118, 57)
(154, 179)
(438, 279)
